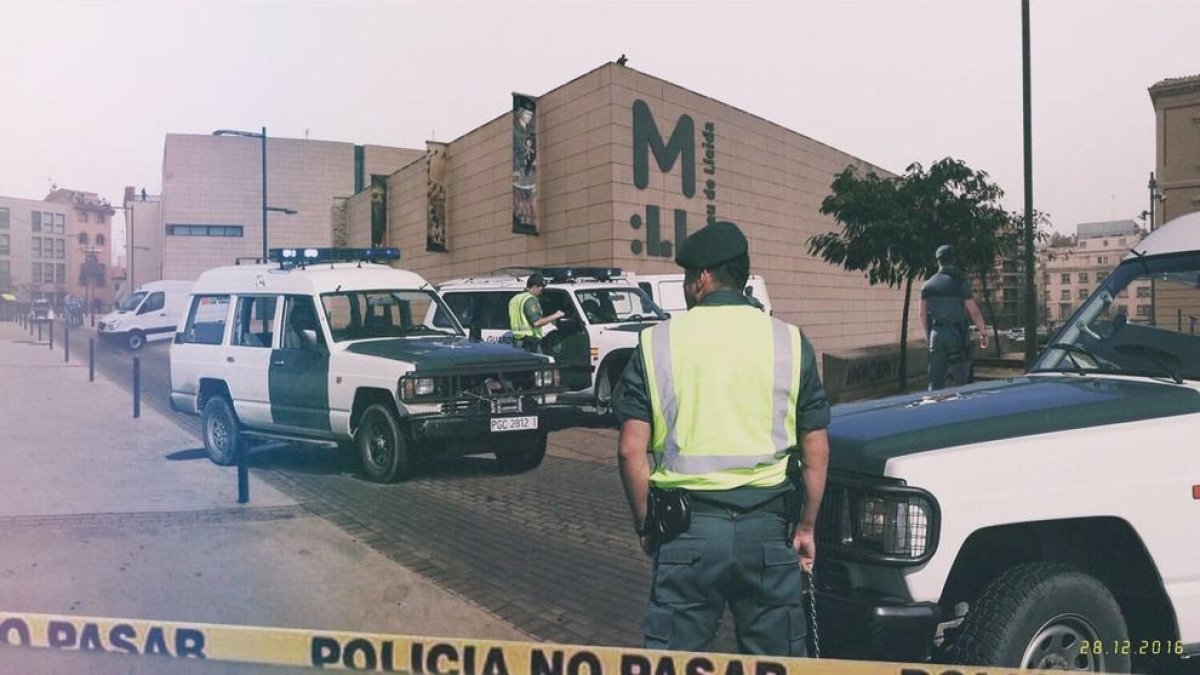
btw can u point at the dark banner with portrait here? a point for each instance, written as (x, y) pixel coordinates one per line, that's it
(378, 210)
(524, 164)
(435, 196)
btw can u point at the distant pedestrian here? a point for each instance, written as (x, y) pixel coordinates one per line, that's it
(947, 309)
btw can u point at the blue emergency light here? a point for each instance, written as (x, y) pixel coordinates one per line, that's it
(316, 256)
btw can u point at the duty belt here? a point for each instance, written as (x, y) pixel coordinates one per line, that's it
(702, 505)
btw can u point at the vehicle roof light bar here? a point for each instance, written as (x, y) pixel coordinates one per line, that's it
(312, 256)
(558, 275)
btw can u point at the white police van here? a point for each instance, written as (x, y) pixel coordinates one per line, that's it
(327, 345)
(667, 291)
(604, 312)
(152, 312)
(1044, 521)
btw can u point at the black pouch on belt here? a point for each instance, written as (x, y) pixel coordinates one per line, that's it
(669, 514)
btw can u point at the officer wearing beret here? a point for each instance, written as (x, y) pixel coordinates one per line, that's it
(525, 317)
(714, 404)
(947, 302)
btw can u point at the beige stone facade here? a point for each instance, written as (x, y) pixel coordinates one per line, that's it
(89, 236)
(1071, 271)
(1177, 145)
(143, 237)
(33, 256)
(211, 204)
(768, 179)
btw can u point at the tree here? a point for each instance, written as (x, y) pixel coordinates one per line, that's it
(891, 226)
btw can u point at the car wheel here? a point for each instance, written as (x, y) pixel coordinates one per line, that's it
(382, 447)
(222, 431)
(136, 340)
(525, 458)
(1045, 616)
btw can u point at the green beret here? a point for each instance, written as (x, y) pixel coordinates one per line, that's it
(712, 245)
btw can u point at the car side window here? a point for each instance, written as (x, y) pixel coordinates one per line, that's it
(554, 300)
(301, 327)
(155, 302)
(254, 321)
(495, 313)
(206, 320)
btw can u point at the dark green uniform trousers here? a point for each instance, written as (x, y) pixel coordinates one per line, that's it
(728, 557)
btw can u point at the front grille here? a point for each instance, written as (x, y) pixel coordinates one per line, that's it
(877, 522)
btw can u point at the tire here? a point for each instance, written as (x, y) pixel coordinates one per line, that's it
(222, 432)
(136, 340)
(382, 447)
(526, 458)
(1041, 616)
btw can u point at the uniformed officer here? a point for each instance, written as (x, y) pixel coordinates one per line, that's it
(525, 315)
(947, 302)
(718, 398)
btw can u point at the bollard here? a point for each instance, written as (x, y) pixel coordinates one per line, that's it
(137, 386)
(243, 473)
(39, 331)
(91, 359)
(51, 329)
(67, 342)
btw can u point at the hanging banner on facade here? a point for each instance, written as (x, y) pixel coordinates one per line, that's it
(435, 196)
(378, 210)
(524, 164)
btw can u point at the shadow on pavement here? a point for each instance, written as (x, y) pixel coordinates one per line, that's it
(187, 455)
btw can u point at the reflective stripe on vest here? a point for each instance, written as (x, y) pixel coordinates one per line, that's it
(521, 328)
(723, 383)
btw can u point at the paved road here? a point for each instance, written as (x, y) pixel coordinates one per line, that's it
(549, 551)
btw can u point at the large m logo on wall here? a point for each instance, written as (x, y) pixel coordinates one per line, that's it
(679, 148)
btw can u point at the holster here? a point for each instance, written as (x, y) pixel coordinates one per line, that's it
(668, 514)
(793, 500)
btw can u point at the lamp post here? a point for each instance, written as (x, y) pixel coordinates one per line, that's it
(262, 136)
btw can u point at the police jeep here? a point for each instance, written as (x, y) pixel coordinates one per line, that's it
(604, 312)
(328, 345)
(1045, 521)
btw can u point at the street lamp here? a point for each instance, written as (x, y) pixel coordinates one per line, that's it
(262, 136)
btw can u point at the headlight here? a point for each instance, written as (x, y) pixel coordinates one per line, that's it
(891, 524)
(415, 387)
(545, 379)
(114, 324)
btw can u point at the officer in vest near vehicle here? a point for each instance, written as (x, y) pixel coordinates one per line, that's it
(525, 315)
(947, 304)
(723, 456)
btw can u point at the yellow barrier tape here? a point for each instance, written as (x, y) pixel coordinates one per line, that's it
(408, 654)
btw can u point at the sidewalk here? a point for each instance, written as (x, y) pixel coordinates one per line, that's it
(105, 515)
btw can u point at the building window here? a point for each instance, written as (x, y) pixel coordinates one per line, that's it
(204, 230)
(1066, 277)
(35, 273)
(5, 271)
(1143, 310)
(100, 240)
(1082, 244)
(83, 239)
(1066, 294)
(35, 222)
(1064, 308)
(48, 272)
(60, 273)
(1083, 293)
(81, 215)
(60, 248)
(60, 222)
(1143, 291)
(4, 218)
(100, 218)
(1102, 260)
(37, 248)
(1083, 277)
(4, 244)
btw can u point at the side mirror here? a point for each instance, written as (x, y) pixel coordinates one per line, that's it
(568, 324)
(178, 338)
(308, 338)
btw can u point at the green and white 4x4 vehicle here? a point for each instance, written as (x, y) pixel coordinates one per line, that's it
(1045, 521)
(604, 312)
(318, 350)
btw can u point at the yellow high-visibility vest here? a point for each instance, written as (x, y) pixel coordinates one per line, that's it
(521, 328)
(723, 381)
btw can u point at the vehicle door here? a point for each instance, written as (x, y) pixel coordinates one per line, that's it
(484, 312)
(151, 317)
(248, 356)
(198, 350)
(299, 370)
(569, 343)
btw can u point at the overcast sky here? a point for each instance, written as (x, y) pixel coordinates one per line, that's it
(89, 88)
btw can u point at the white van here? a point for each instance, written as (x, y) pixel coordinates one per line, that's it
(667, 291)
(151, 312)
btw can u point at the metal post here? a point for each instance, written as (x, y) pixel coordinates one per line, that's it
(243, 469)
(67, 341)
(1030, 308)
(91, 359)
(264, 192)
(1153, 185)
(137, 386)
(39, 323)
(51, 329)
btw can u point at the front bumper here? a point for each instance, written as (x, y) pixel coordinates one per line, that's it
(859, 624)
(478, 426)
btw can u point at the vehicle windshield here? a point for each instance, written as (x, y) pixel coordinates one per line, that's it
(369, 314)
(131, 302)
(618, 305)
(1142, 320)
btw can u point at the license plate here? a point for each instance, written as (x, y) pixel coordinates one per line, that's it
(514, 423)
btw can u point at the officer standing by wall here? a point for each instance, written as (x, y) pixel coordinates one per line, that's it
(947, 302)
(720, 398)
(525, 315)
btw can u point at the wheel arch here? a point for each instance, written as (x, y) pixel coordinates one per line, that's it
(1105, 547)
(209, 387)
(363, 398)
(616, 359)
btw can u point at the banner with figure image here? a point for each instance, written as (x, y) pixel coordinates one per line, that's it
(524, 164)
(378, 210)
(435, 195)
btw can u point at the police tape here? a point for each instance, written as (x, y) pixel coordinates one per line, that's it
(376, 652)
